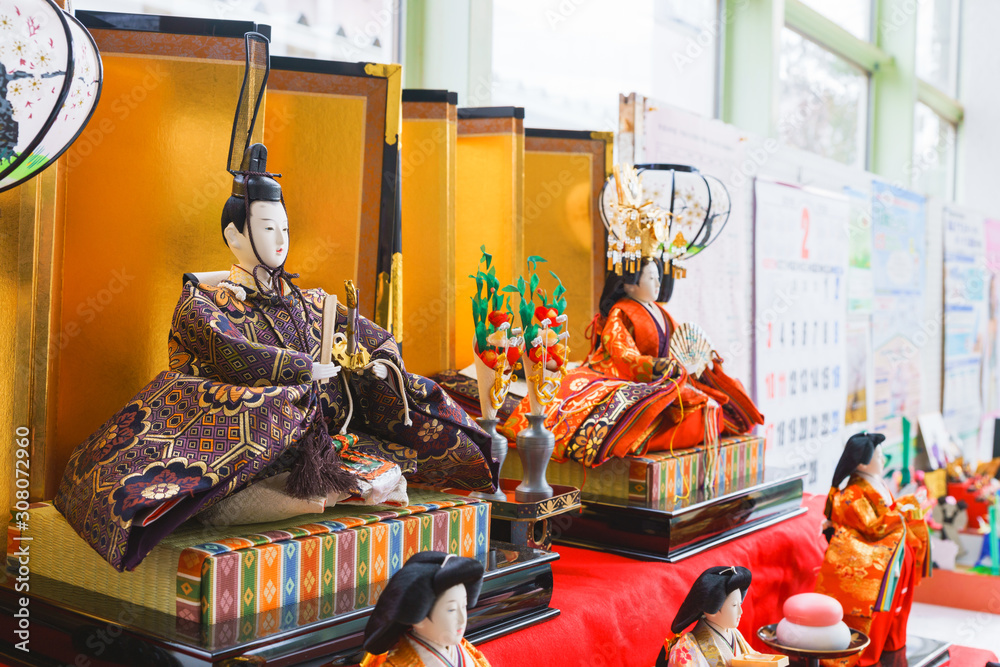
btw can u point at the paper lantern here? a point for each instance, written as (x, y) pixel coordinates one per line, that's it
(667, 212)
(50, 81)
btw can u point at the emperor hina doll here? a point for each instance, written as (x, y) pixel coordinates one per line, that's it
(245, 399)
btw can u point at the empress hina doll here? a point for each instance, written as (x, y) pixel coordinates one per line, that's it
(246, 402)
(420, 618)
(878, 551)
(632, 394)
(714, 605)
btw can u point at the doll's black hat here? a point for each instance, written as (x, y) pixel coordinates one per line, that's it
(708, 592)
(252, 180)
(248, 162)
(411, 593)
(859, 450)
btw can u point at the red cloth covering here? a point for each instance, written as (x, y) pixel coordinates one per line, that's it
(963, 656)
(617, 611)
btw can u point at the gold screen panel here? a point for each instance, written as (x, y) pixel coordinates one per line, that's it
(317, 143)
(10, 212)
(344, 200)
(558, 225)
(487, 212)
(427, 168)
(564, 174)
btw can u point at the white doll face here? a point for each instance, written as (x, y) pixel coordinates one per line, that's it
(876, 466)
(445, 625)
(729, 615)
(648, 288)
(270, 235)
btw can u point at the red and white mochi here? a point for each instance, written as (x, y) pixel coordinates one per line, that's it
(814, 621)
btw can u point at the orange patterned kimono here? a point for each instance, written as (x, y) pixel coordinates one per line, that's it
(404, 655)
(878, 554)
(629, 397)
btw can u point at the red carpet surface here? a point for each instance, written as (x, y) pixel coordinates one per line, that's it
(963, 656)
(617, 611)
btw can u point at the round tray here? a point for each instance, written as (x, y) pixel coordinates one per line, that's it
(768, 635)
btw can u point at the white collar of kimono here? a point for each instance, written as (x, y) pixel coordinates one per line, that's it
(878, 484)
(240, 277)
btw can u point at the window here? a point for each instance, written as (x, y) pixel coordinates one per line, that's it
(823, 101)
(566, 61)
(351, 30)
(932, 171)
(937, 44)
(852, 15)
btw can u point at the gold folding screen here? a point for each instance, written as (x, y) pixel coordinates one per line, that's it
(428, 172)
(489, 205)
(104, 236)
(564, 172)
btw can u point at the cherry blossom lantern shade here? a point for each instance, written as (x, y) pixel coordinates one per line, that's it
(50, 82)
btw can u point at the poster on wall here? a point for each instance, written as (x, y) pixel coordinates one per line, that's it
(965, 323)
(899, 328)
(991, 348)
(860, 289)
(800, 271)
(716, 293)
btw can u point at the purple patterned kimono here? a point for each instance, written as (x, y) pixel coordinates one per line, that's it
(230, 411)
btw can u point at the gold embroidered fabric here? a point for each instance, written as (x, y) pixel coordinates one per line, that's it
(404, 655)
(867, 534)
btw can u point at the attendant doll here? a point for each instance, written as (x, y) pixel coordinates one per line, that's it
(878, 551)
(714, 604)
(420, 618)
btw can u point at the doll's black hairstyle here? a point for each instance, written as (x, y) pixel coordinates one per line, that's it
(708, 592)
(614, 285)
(411, 593)
(252, 183)
(859, 450)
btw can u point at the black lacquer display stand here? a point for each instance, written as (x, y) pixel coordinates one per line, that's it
(673, 531)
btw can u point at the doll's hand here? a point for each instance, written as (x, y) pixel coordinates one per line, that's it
(324, 371)
(380, 371)
(827, 524)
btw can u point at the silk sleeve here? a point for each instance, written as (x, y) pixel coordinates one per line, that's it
(205, 342)
(686, 653)
(851, 508)
(617, 340)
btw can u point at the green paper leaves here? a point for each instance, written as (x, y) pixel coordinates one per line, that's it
(488, 298)
(528, 291)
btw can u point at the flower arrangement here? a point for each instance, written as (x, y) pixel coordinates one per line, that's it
(546, 350)
(496, 344)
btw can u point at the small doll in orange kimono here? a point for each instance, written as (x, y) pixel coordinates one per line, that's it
(420, 618)
(879, 549)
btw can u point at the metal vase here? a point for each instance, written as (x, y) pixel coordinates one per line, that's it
(498, 450)
(534, 446)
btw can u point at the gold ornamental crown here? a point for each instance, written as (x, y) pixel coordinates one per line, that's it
(637, 228)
